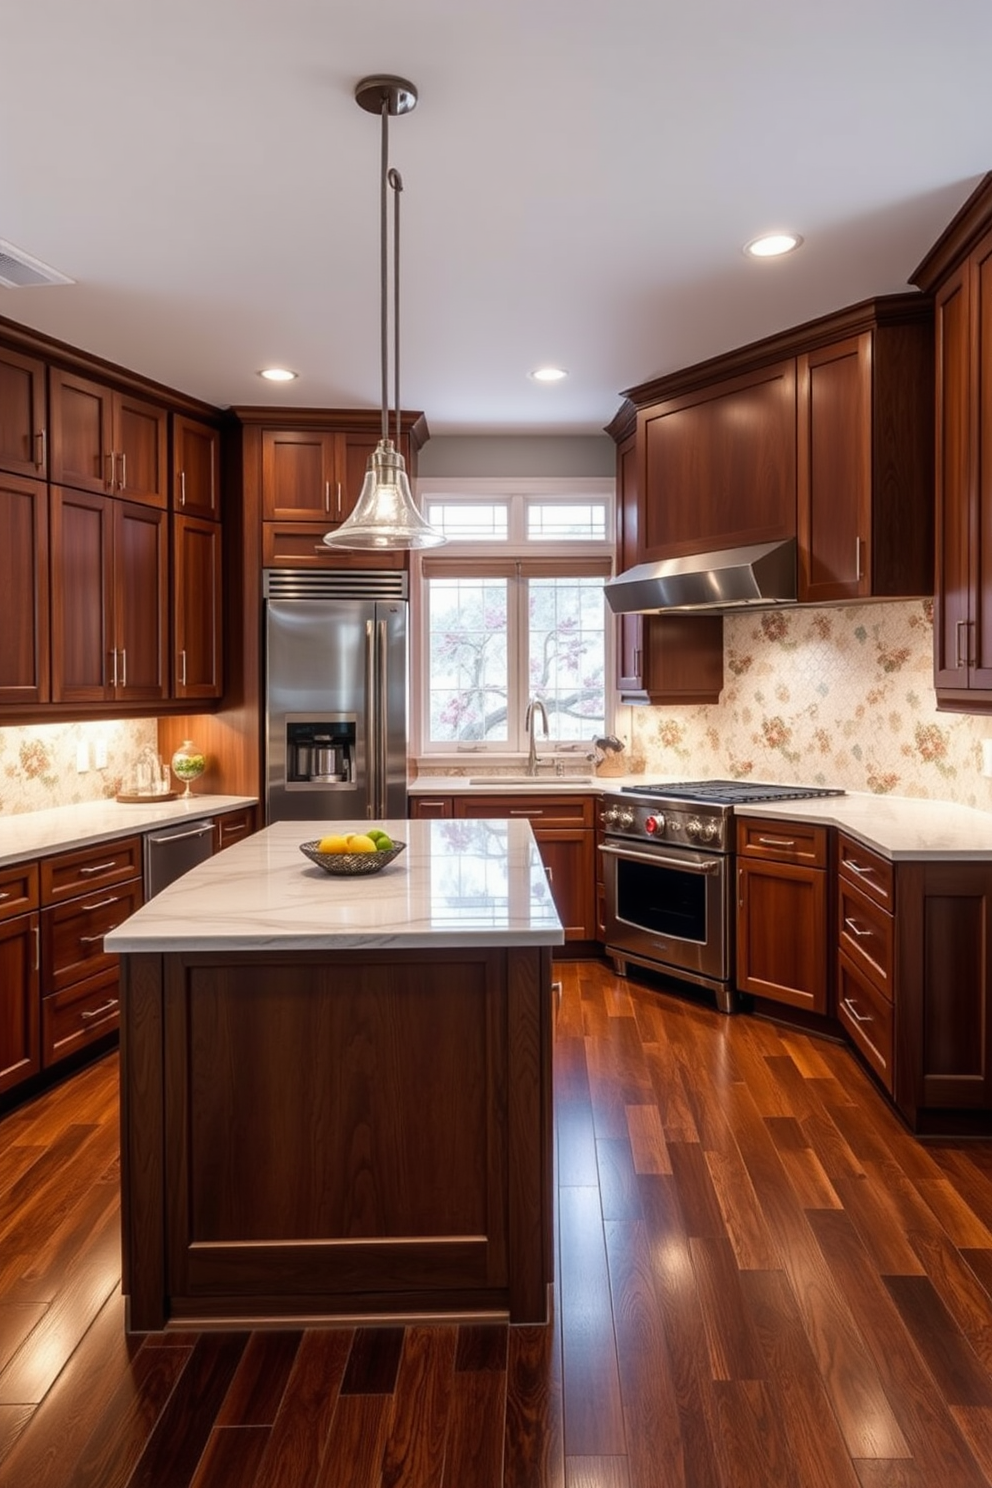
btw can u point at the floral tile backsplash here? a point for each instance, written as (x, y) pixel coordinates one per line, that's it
(39, 763)
(840, 696)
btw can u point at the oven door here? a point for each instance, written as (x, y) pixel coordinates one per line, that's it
(670, 906)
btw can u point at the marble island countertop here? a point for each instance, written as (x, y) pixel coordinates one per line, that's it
(458, 883)
(33, 834)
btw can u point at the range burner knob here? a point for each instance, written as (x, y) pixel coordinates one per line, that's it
(710, 830)
(609, 816)
(654, 824)
(626, 818)
(694, 826)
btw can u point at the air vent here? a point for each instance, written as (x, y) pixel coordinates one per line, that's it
(354, 583)
(18, 270)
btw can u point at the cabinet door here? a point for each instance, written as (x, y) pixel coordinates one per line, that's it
(980, 585)
(717, 468)
(834, 389)
(232, 826)
(196, 468)
(141, 603)
(782, 933)
(198, 631)
(300, 479)
(82, 449)
(630, 628)
(301, 545)
(567, 854)
(20, 1020)
(24, 652)
(23, 420)
(82, 549)
(140, 450)
(432, 808)
(954, 480)
(943, 986)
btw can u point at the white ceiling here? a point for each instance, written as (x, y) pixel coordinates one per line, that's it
(580, 178)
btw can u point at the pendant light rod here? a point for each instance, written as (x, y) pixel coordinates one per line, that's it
(396, 182)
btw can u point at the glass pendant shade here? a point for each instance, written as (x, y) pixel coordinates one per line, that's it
(385, 514)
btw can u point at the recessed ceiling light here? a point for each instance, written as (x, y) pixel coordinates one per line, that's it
(548, 374)
(772, 245)
(278, 374)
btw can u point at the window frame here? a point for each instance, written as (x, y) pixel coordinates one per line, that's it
(511, 557)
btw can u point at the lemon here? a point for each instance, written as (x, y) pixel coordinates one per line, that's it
(359, 843)
(333, 845)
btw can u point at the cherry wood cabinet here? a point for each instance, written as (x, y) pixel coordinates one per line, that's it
(109, 566)
(865, 462)
(196, 486)
(231, 826)
(24, 603)
(660, 658)
(20, 960)
(717, 466)
(301, 545)
(23, 414)
(85, 894)
(197, 611)
(865, 944)
(315, 473)
(782, 912)
(106, 441)
(563, 826)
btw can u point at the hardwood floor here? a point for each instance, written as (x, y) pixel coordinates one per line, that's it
(763, 1279)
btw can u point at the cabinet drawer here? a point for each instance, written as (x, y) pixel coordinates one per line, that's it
(78, 1015)
(93, 867)
(866, 1016)
(233, 826)
(865, 932)
(18, 889)
(73, 933)
(300, 545)
(783, 842)
(435, 808)
(546, 811)
(869, 869)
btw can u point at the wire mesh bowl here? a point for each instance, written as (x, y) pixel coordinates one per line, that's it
(351, 864)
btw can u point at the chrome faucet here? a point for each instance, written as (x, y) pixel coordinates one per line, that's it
(533, 707)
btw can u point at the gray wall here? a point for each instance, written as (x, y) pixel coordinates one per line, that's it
(525, 455)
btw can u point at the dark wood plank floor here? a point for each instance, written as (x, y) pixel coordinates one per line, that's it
(763, 1279)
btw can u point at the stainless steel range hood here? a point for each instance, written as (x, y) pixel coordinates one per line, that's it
(734, 578)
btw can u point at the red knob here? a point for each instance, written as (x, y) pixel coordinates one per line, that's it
(651, 824)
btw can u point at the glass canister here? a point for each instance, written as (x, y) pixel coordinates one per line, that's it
(188, 764)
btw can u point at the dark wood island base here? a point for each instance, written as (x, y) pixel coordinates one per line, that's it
(313, 1137)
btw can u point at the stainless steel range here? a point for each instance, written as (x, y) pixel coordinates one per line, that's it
(669, 875)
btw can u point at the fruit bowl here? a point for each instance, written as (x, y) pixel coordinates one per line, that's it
(351, 864)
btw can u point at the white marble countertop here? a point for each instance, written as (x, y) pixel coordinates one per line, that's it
(481, 784)
(457, 883)
(34, 834)
(895, 826)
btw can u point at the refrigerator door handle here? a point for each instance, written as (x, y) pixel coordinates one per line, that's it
(372, 722)
(383, 713)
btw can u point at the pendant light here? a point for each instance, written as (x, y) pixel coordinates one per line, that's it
(386, 515)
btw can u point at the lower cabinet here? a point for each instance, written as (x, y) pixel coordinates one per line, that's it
(563, 826)
(782, 912)
(20, 959)
(231, 826)
(84, 895)
(865, 953)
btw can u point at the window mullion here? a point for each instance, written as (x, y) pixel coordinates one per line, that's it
(518, 688)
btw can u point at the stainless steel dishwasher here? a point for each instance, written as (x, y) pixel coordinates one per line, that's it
(172, 851)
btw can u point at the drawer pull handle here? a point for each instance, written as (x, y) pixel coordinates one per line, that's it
(37, 948)
(777, 841)
(99, 868)
(5, 895)
(100, 1012)
(92, 939)
(855, 928)
(235, 831)
(858, 1017)
(549, 875)
(179, 837)
(519, 812)
(859, 868)
(102, 903)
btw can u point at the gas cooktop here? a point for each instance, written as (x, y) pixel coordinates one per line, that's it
(728, 792)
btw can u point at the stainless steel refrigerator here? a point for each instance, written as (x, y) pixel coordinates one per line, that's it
(335, 694)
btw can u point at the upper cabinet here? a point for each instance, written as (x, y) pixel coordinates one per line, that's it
(107, 442)
(195, 468)
(717, 466)
(822, 433)
(303, 470)
(23, 415)
(958, 273)
(24, 654)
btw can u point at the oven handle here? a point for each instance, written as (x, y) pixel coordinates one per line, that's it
(708, 865)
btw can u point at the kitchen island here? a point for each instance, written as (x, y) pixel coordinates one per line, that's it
(336, 1092)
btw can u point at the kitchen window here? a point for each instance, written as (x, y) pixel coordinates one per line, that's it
(512, 608)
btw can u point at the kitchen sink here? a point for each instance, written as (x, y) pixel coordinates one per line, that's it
(532, 782)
